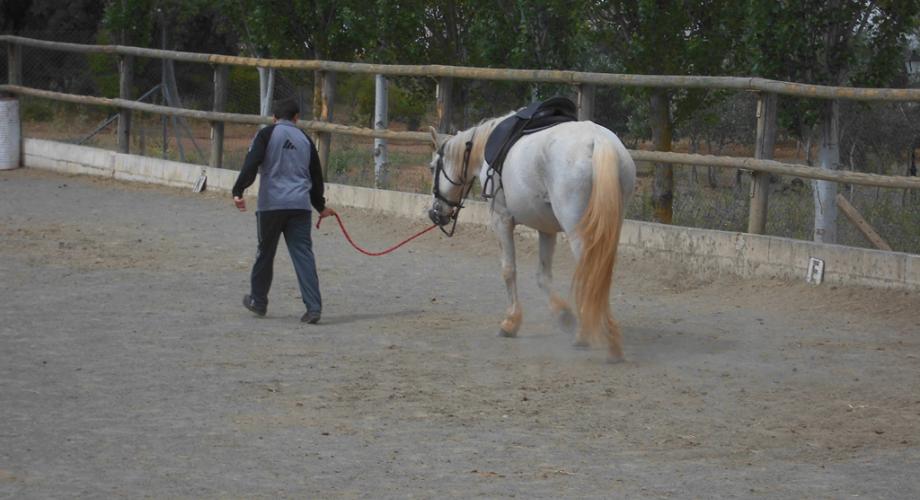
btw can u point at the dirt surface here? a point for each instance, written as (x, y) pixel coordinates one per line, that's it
(128, 368)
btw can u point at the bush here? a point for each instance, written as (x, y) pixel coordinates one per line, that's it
(243, 90)
(36, 110)
(405, 104)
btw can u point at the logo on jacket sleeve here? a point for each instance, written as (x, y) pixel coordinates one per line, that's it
(288, 145)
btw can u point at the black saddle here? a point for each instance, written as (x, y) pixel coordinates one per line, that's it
(535, 117)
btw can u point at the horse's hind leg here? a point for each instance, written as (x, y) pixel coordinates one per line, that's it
(614, 340)
(503, 226)
(582, 337)
(559, 307)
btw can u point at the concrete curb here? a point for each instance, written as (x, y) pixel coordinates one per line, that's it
(701, 252)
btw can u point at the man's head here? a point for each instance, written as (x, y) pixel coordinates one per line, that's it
(285, 109)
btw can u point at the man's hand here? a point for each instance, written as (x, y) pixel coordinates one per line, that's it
(240, 203)
(327, 212)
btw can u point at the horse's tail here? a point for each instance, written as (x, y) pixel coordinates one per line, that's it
(599, 232)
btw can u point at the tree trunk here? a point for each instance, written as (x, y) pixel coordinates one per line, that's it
(317, 94)
(663, 187)
(825, 192)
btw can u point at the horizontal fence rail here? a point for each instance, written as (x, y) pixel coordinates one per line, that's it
(315, 125)
(752, 164)
(522, 75)
(778, 167)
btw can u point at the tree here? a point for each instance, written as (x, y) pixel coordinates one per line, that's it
(662, 37)
(300, 29)
(50, 16)
(827, 42)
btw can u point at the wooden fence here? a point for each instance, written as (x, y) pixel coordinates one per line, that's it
(585, 84)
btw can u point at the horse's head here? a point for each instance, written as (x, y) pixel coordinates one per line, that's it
(452, 177)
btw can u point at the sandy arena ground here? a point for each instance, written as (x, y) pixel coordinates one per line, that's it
(129, 369)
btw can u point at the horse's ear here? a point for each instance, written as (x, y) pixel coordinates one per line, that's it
(434, 138)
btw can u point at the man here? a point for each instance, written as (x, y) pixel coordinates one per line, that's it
(291, 181)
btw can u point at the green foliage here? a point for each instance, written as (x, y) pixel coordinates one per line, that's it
(527, 34)
(310, 29)
(103, 69)
(243, 85)
(842, 42)
(351, 164)
(404, 105)
(50, 15)
(36, 110)
(670, 37)
(131, 22)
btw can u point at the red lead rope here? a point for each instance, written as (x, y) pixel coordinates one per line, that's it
(374, 254)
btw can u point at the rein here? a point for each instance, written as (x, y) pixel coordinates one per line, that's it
(439, 170)
(375, 254)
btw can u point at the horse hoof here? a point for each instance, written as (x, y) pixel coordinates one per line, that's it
(615, 360)
(507, 335)
(581, 344)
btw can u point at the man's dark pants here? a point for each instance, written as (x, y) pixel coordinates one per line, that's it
(295, 225)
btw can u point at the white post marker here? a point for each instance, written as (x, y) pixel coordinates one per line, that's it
(815, 274)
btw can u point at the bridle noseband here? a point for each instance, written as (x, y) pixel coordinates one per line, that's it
(460, 182)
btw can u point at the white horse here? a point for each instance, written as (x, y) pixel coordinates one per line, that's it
(575, 177)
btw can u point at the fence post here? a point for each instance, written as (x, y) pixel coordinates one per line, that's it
(125, 82)
(763, 150)
(325, 138)
(380, 123)
(586, 93)
(444, 92)
(14, 63)
(221, 75)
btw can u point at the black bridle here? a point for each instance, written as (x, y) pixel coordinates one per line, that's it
(460, 182)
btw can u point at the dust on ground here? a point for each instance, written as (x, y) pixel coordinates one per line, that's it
(128, 367)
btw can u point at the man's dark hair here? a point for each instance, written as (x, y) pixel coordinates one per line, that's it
(285, 109)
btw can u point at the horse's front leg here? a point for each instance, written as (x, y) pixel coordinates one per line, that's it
(557, 305)
(503, 225)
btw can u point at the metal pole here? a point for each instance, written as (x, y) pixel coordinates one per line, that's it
(221, 75)
(380, 123)
(763, 150)
(126, 81)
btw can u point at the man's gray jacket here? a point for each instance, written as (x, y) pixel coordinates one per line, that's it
(291, 176)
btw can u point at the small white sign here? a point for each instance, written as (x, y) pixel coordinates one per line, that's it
(815, 271)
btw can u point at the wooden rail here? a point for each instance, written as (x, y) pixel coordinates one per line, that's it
(315, 125)
(472, 73)
(861, 224)
(780, 168)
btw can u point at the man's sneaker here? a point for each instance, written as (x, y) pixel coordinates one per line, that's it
(310, 317)
(250, 304)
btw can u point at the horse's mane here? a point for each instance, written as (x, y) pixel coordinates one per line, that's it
(479, 134)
